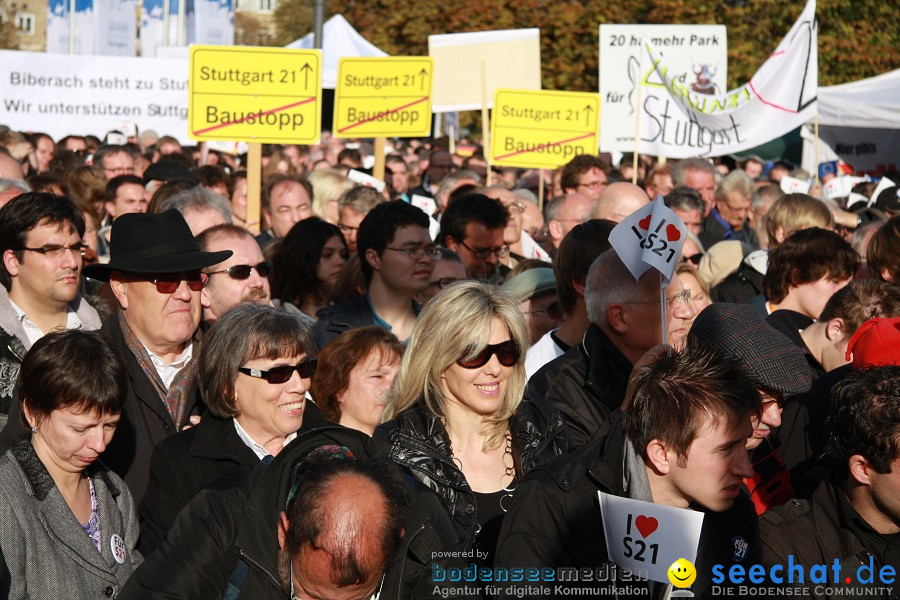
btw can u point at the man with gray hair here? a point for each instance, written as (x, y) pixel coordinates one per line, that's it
(201, 208)
(10, 188)
(353, 206)
(587, 383)
(698, 174)
(564, 213)
(728, 220)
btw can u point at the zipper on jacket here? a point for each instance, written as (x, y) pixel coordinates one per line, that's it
(245, 557)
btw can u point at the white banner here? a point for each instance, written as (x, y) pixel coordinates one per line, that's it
(152, 24)
(697, 56)
(677, 122)
(58, 26)
(214, 20)
(64, 94)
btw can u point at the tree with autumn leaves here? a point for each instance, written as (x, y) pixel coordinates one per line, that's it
(857, 38)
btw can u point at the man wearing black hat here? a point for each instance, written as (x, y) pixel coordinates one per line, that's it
(777, 368)
(155, 274)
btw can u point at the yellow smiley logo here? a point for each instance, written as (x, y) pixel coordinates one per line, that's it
(682, 573)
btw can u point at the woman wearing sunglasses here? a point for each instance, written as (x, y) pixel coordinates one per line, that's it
(306, 266)
(254, 373)
(458, 423)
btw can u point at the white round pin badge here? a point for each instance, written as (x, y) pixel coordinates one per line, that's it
(117, 545)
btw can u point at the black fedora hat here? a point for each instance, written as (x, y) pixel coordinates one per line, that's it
(149, 243)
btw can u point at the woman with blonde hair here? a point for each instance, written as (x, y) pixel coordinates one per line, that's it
(458, 423)
(328, 187)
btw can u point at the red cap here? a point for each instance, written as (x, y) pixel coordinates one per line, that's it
(875, 344)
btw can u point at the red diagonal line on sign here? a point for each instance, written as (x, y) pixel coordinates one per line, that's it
(265, 112)
(382, 114)
(767, 103)
(574, 139)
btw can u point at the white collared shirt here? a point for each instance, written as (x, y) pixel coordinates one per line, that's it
(34, 333)
(167, 372)
(258, 450)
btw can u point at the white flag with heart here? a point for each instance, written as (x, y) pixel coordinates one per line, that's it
(651, 236)
(647, 538)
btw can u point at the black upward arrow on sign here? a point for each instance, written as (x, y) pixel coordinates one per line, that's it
(306, 68)
(422, 74)
(588, 109)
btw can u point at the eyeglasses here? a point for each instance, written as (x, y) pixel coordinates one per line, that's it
(516, 207)
(554, 311)
(419, 251)
(57, 250)
(507, 353)
(499, 252)
(168, 284)
(347, 228)
(119, 170)
(694, 258)
(682, 297)
(443, 282)
(306, 369)
(241, 272)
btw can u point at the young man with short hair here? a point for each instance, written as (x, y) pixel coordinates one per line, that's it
(679, 442)
(397, 257)
(853, 518)
(472, 226)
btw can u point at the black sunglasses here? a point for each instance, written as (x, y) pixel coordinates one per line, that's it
(241, 272)
(305, 369)
(507, 353)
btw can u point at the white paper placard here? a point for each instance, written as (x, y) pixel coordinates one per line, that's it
(792, 185)
(647, 538)
(366, 180)
(651, 236)
(694, 52)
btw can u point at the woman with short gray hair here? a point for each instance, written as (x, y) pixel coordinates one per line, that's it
(255, 369)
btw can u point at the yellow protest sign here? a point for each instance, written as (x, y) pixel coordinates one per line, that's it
(255, 94)
(383, 97)
(542, 129)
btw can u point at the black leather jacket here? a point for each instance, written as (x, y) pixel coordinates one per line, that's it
(419, 443)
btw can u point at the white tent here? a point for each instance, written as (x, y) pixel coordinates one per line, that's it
(859, 122)
(339, 39)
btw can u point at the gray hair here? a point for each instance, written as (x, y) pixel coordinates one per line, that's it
(197, 198)
(736, 181)
(246, 332)
(18, 184)
(690, 164)
(608, 282)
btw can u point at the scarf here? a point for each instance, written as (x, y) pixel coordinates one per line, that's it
(176, 397)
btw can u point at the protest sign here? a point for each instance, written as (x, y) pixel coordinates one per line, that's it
(255, 94)
(647, 538)
(650, 237)
(868, 151)
(383, 97)
(678, 122)
(840, 187)
(426, 204)
(64, 94)
(542, 129)
(510, 58)
(695, 54)
(792, 185)
(366, 180)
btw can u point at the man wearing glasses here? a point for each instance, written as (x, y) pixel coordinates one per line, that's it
(243, 277)
(472, 226)
(113, 160)
(40, 240)
(156, 273)
(587, 384)
(397, 258)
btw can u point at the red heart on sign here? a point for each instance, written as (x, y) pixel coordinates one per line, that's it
(672, 233)
(645, 223)
(646, 525)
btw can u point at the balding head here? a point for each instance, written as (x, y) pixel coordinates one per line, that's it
(341, 529)
(10, 167)
(619, 200)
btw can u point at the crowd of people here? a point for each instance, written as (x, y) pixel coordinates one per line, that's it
(351, 395)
